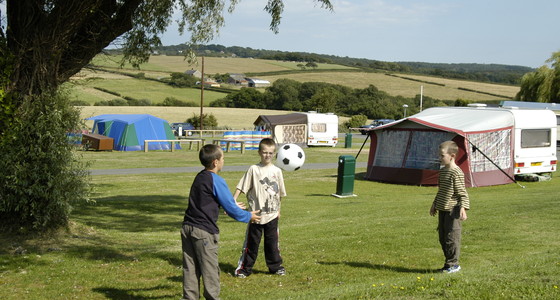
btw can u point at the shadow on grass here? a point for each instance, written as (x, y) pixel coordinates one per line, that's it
(114, 293)
(125, 214)
(376, 266)
(133, 213)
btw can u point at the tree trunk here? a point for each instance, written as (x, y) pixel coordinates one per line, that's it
(50, 44)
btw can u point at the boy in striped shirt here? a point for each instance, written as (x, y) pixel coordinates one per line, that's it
(451, 204)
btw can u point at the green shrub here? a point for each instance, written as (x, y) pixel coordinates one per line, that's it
(172, 101)
(41, 175)
(114, 102)
(356, 121)
(209, 121)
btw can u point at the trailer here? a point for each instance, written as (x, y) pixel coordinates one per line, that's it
(535, 135)
(322, 129)
(311, 129)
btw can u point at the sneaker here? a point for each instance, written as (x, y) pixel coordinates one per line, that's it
(240, 275)
(451, 269)
(281, 272)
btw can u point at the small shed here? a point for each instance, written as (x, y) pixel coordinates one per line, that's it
(237, 79)
(257, 83)
(194, 73)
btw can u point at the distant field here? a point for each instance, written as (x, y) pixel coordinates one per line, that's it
(212, 65)
(161, 66)
(82, 88)
(407, 88)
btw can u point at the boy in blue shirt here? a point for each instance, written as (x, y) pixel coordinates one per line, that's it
(199, 232)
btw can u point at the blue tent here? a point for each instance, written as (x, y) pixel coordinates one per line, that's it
(130, 131)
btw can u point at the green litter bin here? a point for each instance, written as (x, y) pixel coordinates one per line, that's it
(346, 174)
(348, 140)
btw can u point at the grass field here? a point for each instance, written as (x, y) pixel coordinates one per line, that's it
(407, 88)
(161, 66)
(212, 65)
(381, 244)
(82, 88)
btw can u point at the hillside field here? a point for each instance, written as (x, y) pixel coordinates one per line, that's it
(82, 85)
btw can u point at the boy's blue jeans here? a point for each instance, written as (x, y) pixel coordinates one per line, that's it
(449, 229)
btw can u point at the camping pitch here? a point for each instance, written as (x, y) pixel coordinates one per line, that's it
(494, 145)
(130, 131)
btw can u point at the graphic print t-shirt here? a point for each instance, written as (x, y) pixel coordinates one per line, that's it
(263, 185)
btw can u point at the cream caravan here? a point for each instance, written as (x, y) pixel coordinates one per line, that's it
(311, 129)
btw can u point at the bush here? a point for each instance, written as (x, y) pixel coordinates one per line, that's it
(79, 103)
(172, 101)
(136, 102)
(462, 102)
(114, 102)
(356, 121)
(41, 175)
(182, 80)
(107, 91)
(209, 120)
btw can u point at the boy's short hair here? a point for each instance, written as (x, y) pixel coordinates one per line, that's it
(208, 154)
(450, 147)
(266, 142)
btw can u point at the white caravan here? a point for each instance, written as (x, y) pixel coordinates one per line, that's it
(322, 129)
(535, 137)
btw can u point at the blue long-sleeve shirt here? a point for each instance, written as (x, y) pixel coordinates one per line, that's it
(208, 192)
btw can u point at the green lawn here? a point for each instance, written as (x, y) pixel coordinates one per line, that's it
(381, 244)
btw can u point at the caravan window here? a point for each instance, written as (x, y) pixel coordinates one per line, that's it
(531, 138)
(319, 127)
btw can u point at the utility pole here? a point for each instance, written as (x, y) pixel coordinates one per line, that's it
(421, 95)
(202, 99)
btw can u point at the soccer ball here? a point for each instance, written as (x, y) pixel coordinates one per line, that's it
(290, 157)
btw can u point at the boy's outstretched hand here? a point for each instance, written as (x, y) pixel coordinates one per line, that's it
(433, 210)
(462, 214)
(255, 217)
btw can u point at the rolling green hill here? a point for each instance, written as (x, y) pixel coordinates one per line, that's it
(88, 86)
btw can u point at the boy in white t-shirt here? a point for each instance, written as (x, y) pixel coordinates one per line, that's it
(263, 184)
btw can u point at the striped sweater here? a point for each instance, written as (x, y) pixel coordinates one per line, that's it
(451, 190)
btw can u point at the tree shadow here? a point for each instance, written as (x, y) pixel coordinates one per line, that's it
(377, 267)
(133, 213)
(114, 293)
(230, 269)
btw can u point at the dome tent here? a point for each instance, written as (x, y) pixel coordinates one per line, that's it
(129, 131)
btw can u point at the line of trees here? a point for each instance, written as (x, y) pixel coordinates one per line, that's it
(287, 94)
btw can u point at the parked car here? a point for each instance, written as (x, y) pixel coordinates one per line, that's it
(378, 122)
(182, 129)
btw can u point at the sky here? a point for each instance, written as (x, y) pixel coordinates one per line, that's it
(510, 32)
